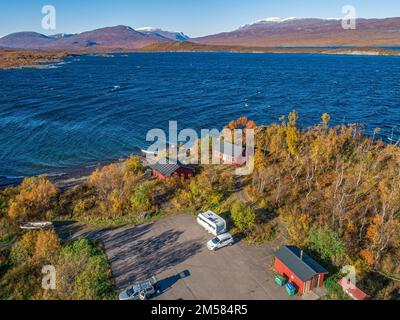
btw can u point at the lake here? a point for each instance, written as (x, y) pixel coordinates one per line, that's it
(92, 109)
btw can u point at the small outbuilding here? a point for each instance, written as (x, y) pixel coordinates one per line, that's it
(299, 269)
(164, 170)
(352, 290)
(230, 154)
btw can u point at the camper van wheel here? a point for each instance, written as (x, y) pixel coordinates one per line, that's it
(143, 296)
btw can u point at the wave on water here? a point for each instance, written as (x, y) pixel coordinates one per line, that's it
(62, 63)
(53, 66)
(53, 121)
(12, 177)
(6, 181)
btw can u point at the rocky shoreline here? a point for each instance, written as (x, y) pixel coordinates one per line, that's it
(71, 177)
(63, 180)
(16, 59)
(195, 47)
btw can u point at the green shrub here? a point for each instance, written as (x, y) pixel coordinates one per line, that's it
(243, 216)
(325, 242)
(83, 273)
(19, 253)
(134, 165)
(334, 290)
(141, 199)
(262, 233)
(22, 282)
(82, 206)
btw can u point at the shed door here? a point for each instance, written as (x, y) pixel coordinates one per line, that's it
(315, 281)
(307, 287)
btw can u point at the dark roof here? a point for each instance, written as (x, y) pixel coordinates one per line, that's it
(228, 148)
(304, 268)
(167, 169)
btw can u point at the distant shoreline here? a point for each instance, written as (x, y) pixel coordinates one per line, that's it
(33, 59)
(195, 47)
(63, 180)
(38, 59)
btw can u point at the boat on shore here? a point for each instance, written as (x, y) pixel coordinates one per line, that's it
(31, 226)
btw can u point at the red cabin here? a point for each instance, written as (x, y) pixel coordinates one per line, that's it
(167, 170)
(230, 154)
(300, 269)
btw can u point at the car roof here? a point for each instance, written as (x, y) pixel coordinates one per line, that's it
(146, 285)
(224, 236)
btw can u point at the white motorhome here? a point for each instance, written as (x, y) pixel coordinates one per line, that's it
(212, 222)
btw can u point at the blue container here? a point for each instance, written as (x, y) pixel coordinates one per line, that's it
(290, 289)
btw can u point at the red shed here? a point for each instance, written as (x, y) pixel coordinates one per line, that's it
(230, 154)
(352, 290)
(299, 268)
(164, 170)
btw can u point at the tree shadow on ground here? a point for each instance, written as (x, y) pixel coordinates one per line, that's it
(117, 237)
(265, 215)
(135, 257)
(68, 230)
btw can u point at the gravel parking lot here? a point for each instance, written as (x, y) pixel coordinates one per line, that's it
(174, 249)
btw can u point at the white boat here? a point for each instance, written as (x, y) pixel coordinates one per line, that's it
(154, 153)
(37, 225)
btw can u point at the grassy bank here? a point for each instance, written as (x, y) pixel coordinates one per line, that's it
(81, 266)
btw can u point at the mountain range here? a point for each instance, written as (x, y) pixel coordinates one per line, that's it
(269, 32)
(109, 38)
(293, 32)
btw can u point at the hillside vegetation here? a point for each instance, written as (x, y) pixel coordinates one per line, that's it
(188, 46)
(334, 190)
(11, 58)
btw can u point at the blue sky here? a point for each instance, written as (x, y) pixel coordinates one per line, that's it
(193, 17)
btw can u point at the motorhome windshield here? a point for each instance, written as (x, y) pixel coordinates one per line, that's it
(131, 291)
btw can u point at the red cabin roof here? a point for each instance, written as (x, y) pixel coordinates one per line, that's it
(166, 168)
(301, 264)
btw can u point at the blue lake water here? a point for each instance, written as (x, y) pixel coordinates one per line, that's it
(97, 108)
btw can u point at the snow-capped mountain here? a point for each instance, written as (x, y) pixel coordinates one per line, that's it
(113, 38)
(268, 32)
(175, 36)
(118, 37)
(275, 19)
(292, 32)
(62, 35)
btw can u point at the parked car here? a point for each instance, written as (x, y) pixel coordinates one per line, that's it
(141, 291)
(220, 241)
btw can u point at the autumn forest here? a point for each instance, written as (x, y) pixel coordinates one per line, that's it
(332, 189)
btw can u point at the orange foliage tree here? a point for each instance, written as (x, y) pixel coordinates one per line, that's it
(47, 247)
(114, 185)
(33, 200)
